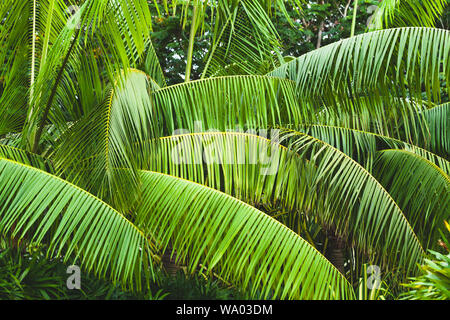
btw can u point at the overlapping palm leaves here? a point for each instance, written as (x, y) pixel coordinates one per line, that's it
(244, 39)
(353, 136)
(402, 13)
(50, 38)
(43, 208)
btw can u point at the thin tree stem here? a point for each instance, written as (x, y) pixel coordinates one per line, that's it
(355, 11)
(319, 34)
(191, 44)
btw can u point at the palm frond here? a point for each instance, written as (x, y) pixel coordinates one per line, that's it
(362, 145)
(96, 152)
(14, 101)
(152, 67)
(403, 13)
(357, 206)
(438, 119)
(74, 224)
(25, 157)
(307, 176)
(226, 103)
(240, 243)
(246, 165)
(362, 74)
(419, 187)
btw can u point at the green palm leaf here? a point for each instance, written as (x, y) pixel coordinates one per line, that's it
(401, 13)
(438, 119)
(409, 56)
(357, 206)
(96, 152)
(237, 241)
(43, 208)
(361, 75)
(24, 157)
(153, 67)
(247, 166)
(308, 176)
(226, 103)
(362, 145)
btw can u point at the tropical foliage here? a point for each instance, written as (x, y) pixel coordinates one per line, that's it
(434, 282)
(283, 177)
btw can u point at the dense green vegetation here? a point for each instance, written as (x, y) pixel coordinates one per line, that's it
(30, 275)
(262, 149)
(434, 281)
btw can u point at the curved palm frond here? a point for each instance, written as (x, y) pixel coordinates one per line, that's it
(46, 209)
(438, 119)
(376, 67)
(237, 241)
(152, 67)
(96, 153)
(419, 187)
(309, 176)
(357, 206)
(226, 103)
(398, 118)
(247, 166)
(362, 145)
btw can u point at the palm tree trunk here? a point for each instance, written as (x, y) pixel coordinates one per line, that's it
(319, 34)
(169, 262)
(335, 252)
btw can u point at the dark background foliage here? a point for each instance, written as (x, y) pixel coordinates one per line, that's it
(320, 23)
(27, 274)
